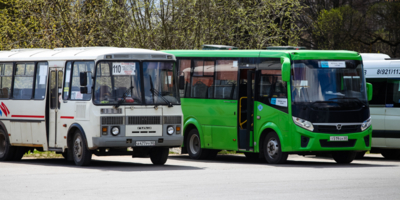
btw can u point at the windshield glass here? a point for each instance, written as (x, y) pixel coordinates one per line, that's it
(118, 82)
(159, 83)
(328, 85)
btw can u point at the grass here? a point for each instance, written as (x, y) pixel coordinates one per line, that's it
(42, 154)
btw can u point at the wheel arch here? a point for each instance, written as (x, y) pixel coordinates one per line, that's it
(264, 130)
(190, 124)
(71, 131)
(3, 127)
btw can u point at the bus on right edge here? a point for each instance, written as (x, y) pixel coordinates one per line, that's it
(383, 73)
(271, 103)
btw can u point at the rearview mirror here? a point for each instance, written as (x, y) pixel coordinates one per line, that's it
(83, 78)
(181, 82)
(369, 91)
(285, 69)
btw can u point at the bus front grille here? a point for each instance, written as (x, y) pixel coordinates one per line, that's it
(112, 120)
(326, 143)
(172, 119)
(333, 129)
(136, 120)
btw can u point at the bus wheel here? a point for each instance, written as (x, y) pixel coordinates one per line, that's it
(159, 155)
(391, 153)
(6, 150)
(344, 157)
(194, 146)
(82, 155)
(272, 149)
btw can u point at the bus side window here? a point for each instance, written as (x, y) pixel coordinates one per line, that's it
(75, 85)
(5, 79)
(23, 82)
(202, 80)
(184, 70)
(378, 92)
(226, 79)
(41, 80)
(393, 92)
(67, 81)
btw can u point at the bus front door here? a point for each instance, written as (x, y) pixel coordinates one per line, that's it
(55, 91)
(246, 111)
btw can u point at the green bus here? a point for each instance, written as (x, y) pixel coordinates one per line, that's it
(271, 103)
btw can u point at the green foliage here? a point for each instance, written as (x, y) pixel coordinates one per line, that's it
(161, 24)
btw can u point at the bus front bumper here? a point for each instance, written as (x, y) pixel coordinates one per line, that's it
(108, 142)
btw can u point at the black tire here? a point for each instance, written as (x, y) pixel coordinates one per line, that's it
(6, 150)
(19, 153)
(254, 157)
(272, 149)
(193, 145)
(344, 157)
(82, 155)
(391, 153)
(360, 155)
(159, 155)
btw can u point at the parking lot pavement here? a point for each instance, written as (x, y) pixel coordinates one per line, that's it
(226, 177)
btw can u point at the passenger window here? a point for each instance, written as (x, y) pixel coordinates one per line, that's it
(23, 82)
(77, 68)
(67, 80)
(5, 79)
(202, 80)
(184, 70)
(379, 91)
(393, 93)
(225, 86)
(41, 80)
(103, 88)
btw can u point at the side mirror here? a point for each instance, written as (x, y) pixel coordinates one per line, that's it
(181, 82)
(83, 78)
(285, 69)
(369, 91)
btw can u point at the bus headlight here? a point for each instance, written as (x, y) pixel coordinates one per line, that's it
(366, 124)
(170, 130)
(115, 131)
(303, 123)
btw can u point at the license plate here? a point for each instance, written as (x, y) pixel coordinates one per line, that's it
(339, 138)
(145, 143)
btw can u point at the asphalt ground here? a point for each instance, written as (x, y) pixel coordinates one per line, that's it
(226, 177)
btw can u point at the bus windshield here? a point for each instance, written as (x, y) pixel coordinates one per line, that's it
(328, 85)
(121, 83)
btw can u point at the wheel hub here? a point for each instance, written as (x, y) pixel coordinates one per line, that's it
(194, 144)
(78, 148)
(272, 147)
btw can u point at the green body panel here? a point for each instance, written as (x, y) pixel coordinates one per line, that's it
(218, 119)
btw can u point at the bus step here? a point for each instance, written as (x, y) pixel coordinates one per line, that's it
(243, 139)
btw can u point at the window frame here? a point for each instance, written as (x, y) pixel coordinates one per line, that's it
(71, 78)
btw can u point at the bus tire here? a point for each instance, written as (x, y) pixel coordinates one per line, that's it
(82, 155)
(194, 146)
(344, 157)
(391, 153)
(19, 153)
(159, 155)
(272, 149)
(6, 150)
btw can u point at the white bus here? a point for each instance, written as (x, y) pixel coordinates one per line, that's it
(90, 100)
(384, 75)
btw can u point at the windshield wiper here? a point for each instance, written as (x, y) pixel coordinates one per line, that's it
(123, 96)
(155, 92)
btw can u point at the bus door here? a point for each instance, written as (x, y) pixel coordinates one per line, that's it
(246, 110)
(55, 92)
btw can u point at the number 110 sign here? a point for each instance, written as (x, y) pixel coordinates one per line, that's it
(123, 69)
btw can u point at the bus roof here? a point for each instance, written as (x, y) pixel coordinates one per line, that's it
(374, 56)
(293, 54)
(81, 53)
